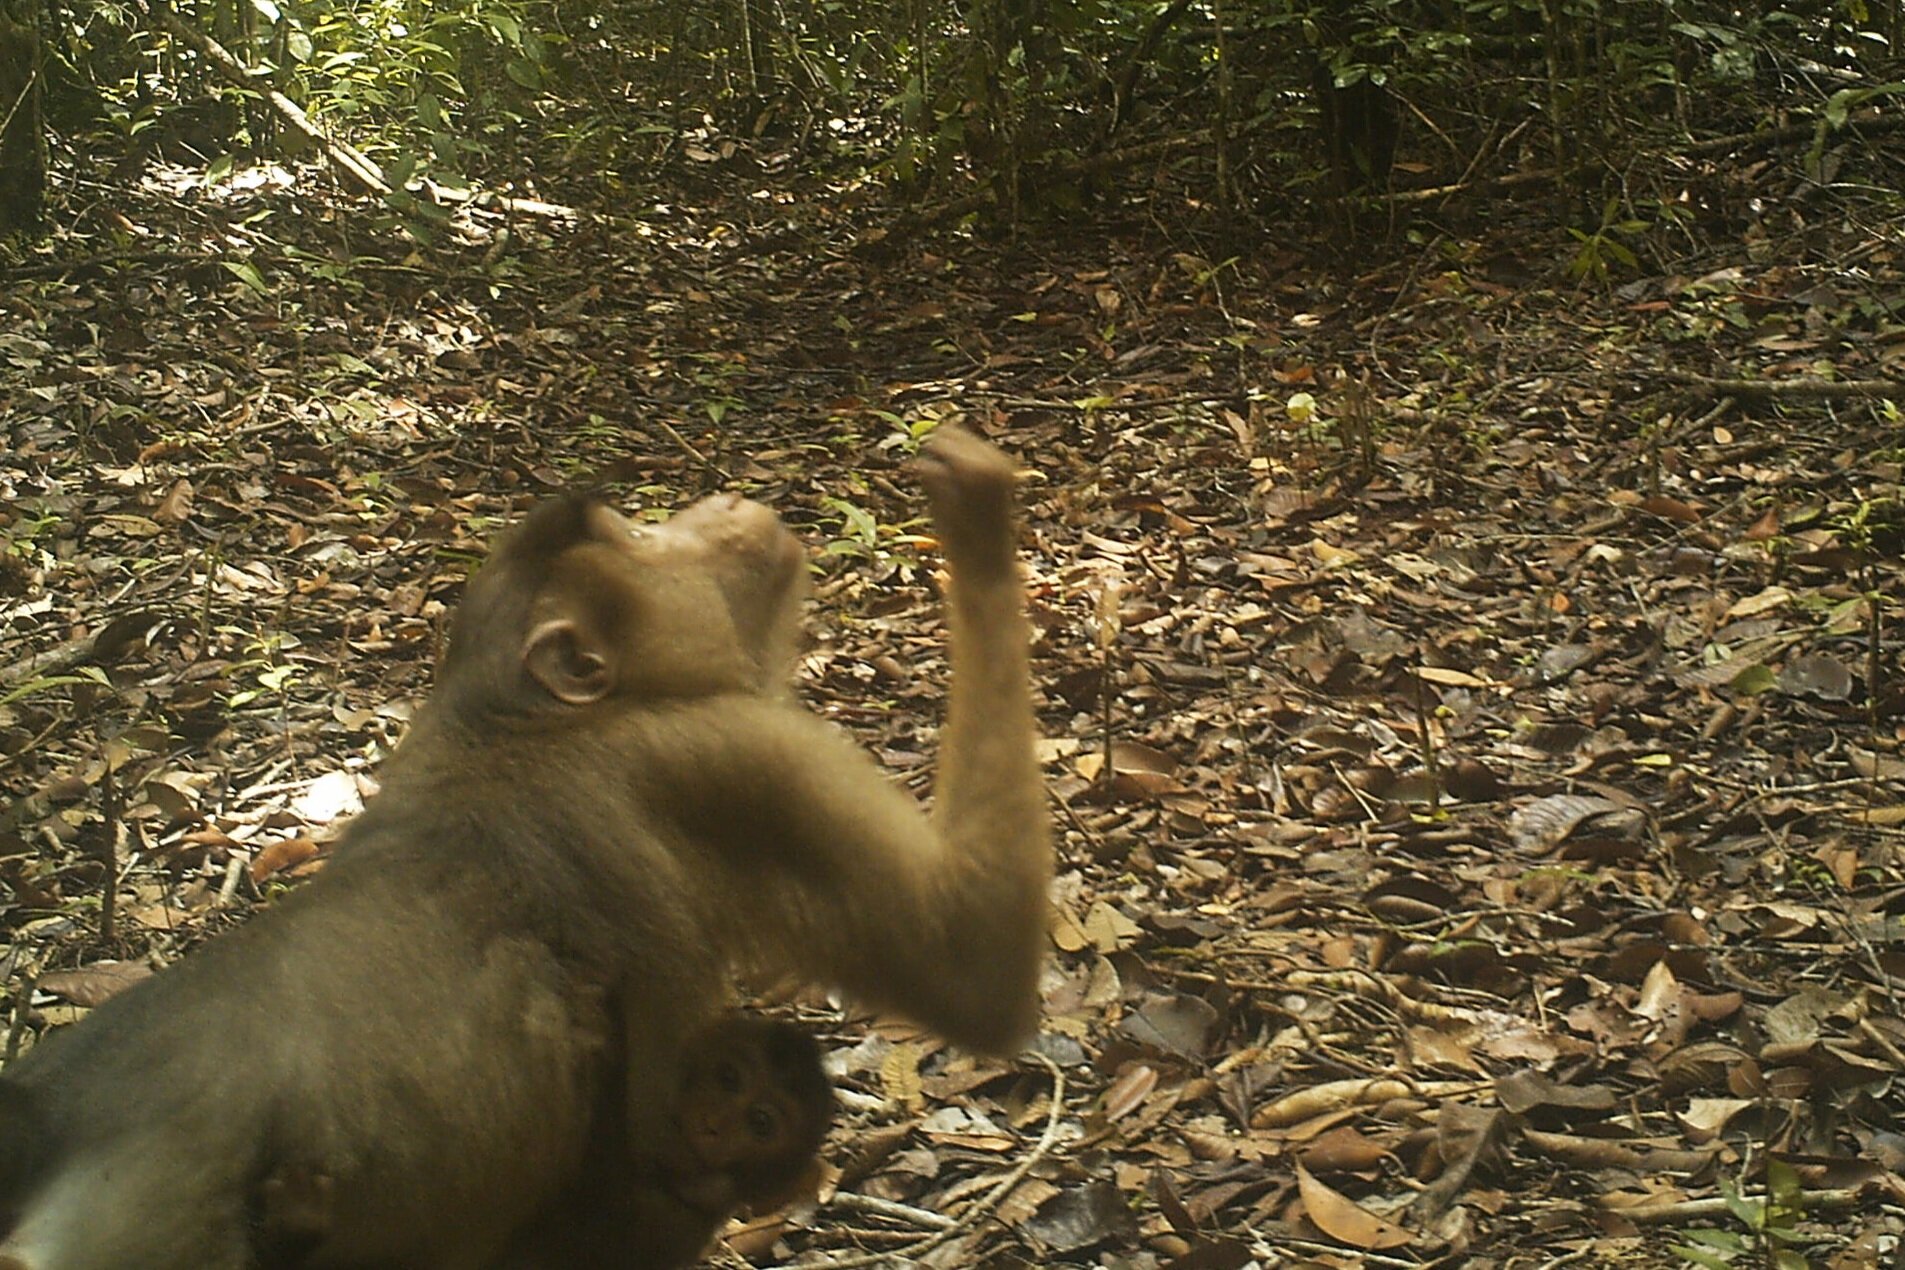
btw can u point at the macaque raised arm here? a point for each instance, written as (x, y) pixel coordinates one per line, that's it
(838, 874)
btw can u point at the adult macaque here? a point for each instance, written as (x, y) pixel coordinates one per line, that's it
(609, 804)
(751, 1109)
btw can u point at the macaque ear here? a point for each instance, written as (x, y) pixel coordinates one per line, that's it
(568, 662)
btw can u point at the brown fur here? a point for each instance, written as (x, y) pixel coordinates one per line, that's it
(609, 804)
(661, 1213)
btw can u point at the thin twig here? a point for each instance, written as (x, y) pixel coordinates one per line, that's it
(980, 1207)
(874, 1206)
(1836, 1200)
(703, 461)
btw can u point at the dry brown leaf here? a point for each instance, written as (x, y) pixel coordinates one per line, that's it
(276, 857)
(94, 984)
(176, 506)
(1128, 1092)
(1334, 1095)
(899, 1076)
(1764, 601)
(1345, 1221)
(1543, 823)
(1343, 1150)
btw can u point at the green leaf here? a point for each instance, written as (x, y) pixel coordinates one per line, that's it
(247, 273)
(1751, 1212)
(398, 172)
(1712, 1261)
(32, 686)
(1840, 105)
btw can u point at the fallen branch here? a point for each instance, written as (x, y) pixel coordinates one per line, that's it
(100, 649)
(872, 1205)
(1809, 388)
(359, 172)
(1871, 121)
(1682, 1210)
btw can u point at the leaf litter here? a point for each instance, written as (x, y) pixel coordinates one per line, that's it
(1477, 751)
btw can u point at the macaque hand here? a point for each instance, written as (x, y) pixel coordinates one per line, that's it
(969, 483)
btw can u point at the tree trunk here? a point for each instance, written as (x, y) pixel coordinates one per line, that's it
(763, 75)
(22, 136)
(1361, 124)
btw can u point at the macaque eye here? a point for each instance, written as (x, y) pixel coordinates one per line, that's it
(728, 1077)
(762, 1124)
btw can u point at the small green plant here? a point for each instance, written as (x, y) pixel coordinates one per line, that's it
(1604, 244)
(1861, 524)
(856, 533)
(23, 538)
(717, 375)
(265, 664)
(903, 434)
(1769, 1235)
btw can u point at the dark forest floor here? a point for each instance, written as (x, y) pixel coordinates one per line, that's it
(1497, 855)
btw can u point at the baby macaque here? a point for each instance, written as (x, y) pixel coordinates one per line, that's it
(751, 1110)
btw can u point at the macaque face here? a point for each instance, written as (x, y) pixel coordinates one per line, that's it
(732, 1114)
(754, 1107)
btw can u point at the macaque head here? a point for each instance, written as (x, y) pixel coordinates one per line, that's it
(754, 1107)
(580, 605)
